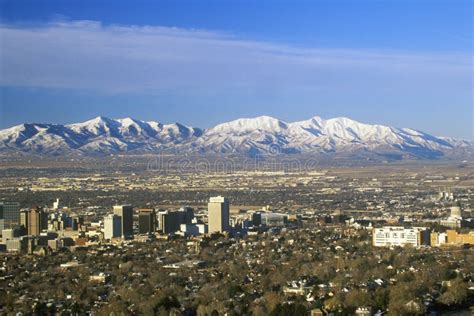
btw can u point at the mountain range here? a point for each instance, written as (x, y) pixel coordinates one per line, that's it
(260, 135)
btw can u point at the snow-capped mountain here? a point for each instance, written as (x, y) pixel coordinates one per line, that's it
(243, 136)
(100, 135)
(267, 134)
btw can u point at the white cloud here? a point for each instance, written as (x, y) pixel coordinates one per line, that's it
(116, 59)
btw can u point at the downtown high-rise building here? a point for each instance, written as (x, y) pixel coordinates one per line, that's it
(146, 221)
(218, 214)
(112, 226)
(34, 221)
(169, 222)
(126, 213)
(9, 215)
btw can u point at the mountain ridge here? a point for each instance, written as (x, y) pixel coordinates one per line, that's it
(259, 135)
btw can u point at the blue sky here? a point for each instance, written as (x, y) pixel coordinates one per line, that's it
(401, 63)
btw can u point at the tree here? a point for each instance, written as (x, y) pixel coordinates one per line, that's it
(289, 310)
(334, 303)
(381, 298)
(271, 300)
(168, 303)
(233, 290)
(404, 301)
(455, 294)
(357, 298)
(116, 307)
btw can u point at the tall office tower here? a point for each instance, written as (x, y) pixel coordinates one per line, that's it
(169, 222)
(112, 226)
(218, 214)
(57, 204)
(76, 222)
(146, 221)
(188, 215)
(126, 213)
(257, 219)
(9, 215)
(37, 221)
(24, 222)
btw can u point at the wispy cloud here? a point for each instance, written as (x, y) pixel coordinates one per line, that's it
(118, 59)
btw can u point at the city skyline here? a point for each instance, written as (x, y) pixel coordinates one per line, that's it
(210, 157)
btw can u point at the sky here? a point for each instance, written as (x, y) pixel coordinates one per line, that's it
(404, 63)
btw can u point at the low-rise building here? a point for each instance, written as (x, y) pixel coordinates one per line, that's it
(400, 236)
(17, 245)
(452, 238)
(10, 233)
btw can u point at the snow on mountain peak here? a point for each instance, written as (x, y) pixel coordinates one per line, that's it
(245, 135)
(243, 125)
(129, 121)
(99, 120)
(155, 125)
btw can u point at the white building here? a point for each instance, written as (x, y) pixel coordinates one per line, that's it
(193, 229)
(112, 226)
(455, 219)
(218, 215)
(439, 239)
(400, 236)
(203, 229)
(11, 233)
(273, 219)
(189, 229)
(57, 204)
